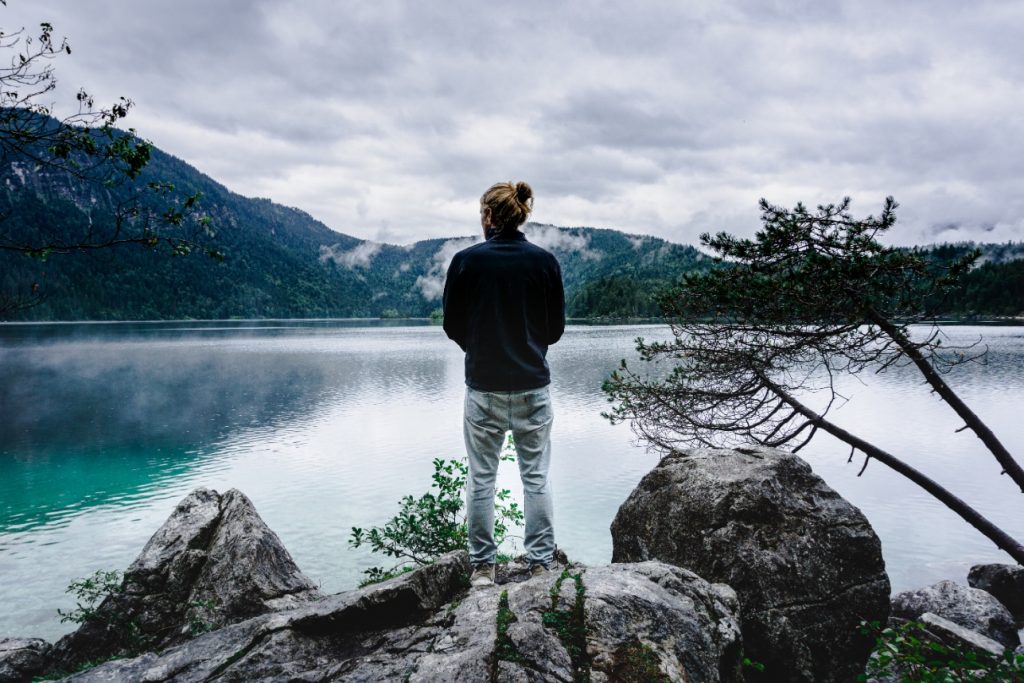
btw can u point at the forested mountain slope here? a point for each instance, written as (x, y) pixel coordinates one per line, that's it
(280, 262)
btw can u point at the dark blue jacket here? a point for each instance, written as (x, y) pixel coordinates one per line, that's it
(504, 305)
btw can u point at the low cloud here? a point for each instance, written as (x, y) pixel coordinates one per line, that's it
(358, 257)
(431, 285)
(562, 239)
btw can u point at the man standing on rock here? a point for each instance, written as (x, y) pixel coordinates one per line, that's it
(504, 305)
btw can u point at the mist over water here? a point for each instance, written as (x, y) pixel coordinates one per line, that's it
(325, 425)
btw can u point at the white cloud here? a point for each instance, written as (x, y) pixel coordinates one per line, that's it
(357, 257)
(431, 285)
(561, 239)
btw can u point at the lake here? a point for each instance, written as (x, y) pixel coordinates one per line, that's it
(325, 425)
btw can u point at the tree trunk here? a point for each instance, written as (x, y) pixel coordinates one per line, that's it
(1010, 466)
(1003, 540)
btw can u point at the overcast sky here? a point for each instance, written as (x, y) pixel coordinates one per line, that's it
(387, 120)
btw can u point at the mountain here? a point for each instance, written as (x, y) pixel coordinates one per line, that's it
(279, 261)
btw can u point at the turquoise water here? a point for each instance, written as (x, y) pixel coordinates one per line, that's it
(326, 424)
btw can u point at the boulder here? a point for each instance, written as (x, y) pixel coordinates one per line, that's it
(805, 564)
(1005, 582)
(972, 608)
(643, 621)
(214, 562)
(647, 621)
(21, 659)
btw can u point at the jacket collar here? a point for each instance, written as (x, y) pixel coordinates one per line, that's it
(514, 236)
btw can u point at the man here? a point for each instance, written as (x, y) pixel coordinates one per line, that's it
(504, 305)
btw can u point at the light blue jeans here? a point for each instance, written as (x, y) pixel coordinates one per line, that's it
(488, 415)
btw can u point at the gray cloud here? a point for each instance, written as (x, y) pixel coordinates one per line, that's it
(388, 120)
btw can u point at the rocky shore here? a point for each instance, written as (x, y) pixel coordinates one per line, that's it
(728, 565)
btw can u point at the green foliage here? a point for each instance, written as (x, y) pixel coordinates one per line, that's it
(907, 651)
(96, 599)
(752, 664)
(504, 648)
(571, 625)
(636, 662)
(616, 298)
(993, 288)
(822, 266)
(197, 624)
(801, 302)
(89, 593)
(434, 524)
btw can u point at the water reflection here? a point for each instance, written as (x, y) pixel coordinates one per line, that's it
(922, 540)
(325, 425)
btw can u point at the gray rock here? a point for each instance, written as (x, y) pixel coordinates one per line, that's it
(934, 629)
(805, 564)
(955, 635)
(1005, 582)
(247, 571)
(972, 608)
(690, 625)
(650, 618)
(214, 562)
(21, 659)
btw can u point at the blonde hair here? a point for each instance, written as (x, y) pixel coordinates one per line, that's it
(510, 204)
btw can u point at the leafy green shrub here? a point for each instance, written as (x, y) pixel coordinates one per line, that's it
(89, 592)
(435, 523)
(906, 650)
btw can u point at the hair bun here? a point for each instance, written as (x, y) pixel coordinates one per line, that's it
(524, 192)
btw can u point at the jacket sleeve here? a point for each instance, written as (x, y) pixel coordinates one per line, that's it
(454, 305)
(556, 305)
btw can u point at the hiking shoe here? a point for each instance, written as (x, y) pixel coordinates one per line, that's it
(538, 569)
(483, 575)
